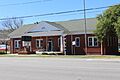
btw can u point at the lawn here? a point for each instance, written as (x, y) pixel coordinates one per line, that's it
(66, 56)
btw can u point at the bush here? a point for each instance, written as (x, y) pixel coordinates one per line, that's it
(44, 53)
(3, 52)
(52, 54)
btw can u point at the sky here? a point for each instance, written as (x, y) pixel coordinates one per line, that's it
(51, 6)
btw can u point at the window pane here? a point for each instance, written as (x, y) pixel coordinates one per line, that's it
(41, 43)
(17, 44)
(95, 42)
(77, 41)
(90, 41)
(37, 43)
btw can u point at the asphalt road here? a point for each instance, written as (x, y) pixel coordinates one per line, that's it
(13, 68)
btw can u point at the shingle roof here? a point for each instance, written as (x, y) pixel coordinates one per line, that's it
(22, 30)
(58, 26)
(68, 26)
(78, 25)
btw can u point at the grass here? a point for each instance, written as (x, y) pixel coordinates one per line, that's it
(66, 56)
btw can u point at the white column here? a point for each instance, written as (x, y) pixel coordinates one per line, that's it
(46, 43)
(61, 43)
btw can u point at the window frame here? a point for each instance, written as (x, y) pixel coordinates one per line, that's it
(17, 44)
(93, 42)
(38, 43)
(76, 41)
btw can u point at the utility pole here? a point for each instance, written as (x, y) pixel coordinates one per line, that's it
(85, 27)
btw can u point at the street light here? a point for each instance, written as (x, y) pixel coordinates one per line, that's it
(85, 27)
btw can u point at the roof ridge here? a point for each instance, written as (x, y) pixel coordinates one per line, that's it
(75, 20)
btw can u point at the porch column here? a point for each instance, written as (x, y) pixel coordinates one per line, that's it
(61, 43)
(72, 44)
(46, 43)
(11, 46)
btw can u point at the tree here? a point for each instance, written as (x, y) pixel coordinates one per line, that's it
(108, 22)
(12, 24)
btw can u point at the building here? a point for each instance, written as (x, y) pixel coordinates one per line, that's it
(4, 40)
(67, 37)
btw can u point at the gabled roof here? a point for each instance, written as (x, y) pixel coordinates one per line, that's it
(58, 26)
(46, 26)
(71, 26)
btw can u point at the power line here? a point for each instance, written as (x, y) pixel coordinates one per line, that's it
(24, 3)
(78, 13)
(74, 14)
(57, 13)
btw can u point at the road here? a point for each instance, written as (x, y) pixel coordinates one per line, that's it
(26, 68)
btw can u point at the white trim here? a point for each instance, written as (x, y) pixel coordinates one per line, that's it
(93, 44)
(16, 44)
(61, 44)
(49, 33)
(39, 43)
(76, 41)
(74, 33)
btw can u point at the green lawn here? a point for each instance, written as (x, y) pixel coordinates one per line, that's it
(66, 56)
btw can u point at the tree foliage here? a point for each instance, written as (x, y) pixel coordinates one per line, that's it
(108, 22)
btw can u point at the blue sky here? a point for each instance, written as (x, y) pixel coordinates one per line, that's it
(50, 6)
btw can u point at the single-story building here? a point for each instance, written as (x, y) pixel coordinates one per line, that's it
(67, 37)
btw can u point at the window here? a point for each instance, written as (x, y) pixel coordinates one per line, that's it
(92, 41)
(58, 42)
(95, 42)
(39, 43)
(17, 43)
(77, 42)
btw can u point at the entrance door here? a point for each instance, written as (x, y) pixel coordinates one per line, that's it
(27, 44)
(50, 46)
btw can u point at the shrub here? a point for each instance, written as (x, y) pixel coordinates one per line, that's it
(44, 53)
(2, 52)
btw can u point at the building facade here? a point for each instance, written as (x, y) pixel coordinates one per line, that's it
(66, 37)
